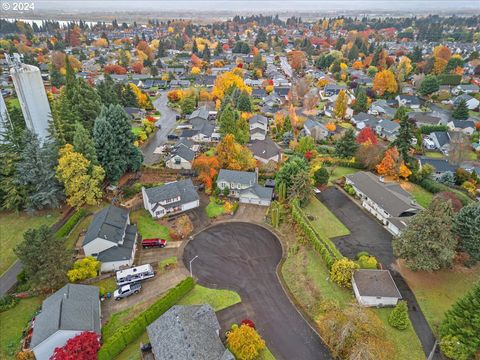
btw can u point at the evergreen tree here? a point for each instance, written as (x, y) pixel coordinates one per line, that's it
(346, 145)
(106, 91)
(353, 53)
(460, 329)
(258, 62)
(206, 54)
(415, 243)
(416, 56)
(127, 96)
(44, 257)
(86, 103)
(460, 112)
(403, 142)
(261, 37)
(161, 50)
(218, 49)
(244, 104)
(187, 105)
(83, 144)
(429, 85)
(194, 47)
(398, 318)
(467, 227)
(228, 121)
(361, 102)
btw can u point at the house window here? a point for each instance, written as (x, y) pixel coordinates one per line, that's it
(177, 161)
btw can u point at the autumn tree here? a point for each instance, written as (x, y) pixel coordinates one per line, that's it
(227, 80)
(398, 317)
(84, 346)
(342, 271)
(366, 136)
(233, 156)
(369, 155)
(85, 268)
(341, 105)
(404, 68)
(459, 148)
(206, 167)
(297, 60)
(384, 82)
(390, 164)
(245, 343)
(415, 243)
(82, 181)
(183, 226)
(301, 187)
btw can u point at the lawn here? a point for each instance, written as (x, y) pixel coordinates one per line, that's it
(407, 344)
(340, 171)
(421, 196)
(149, 227)
(81, 226)
(324, 221)
(107, 285)
(12, 324)
(132, 351)
(213, 209)
(434, 155)
(12, 227)
(307, 277)
(217, 299)
(436, 292)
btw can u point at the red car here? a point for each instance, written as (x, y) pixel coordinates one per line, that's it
(152, 243)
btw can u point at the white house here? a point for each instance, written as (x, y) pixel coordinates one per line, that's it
(258, 127)
(243, 185)
(465, 126)
(171, 198)
(388, 202)
(465, 89)
(411, 101)
(375, 288)
(65, 314)
(111, 238)
(180, 158)
(471, 102)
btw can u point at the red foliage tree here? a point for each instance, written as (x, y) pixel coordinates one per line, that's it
(450, 196)
(114, 69)
(137, 67)
(82, 347)
(366, 135)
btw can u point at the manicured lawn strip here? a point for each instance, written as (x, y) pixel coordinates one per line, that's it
(407, 344)
(437, 292)
(340, 171)
(217, 299)
(434, 155)
(12, 227)
(12, 324)
(82, 226)
(421, 196)
(325, 222)
(149, 227)
(107, 285)
(213, 209)
(132, 351)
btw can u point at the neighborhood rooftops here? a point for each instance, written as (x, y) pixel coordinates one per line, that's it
(187, 332)
(73, 307)
(109, 223)
(237, 177)
(440, 165)
(182, 189)
(375, 283)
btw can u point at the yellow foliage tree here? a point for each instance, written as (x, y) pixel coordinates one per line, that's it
(142, 99)
(269, 89)
(231, 155)
(245, 343)
(322, 83)
(196, 70)
(227, 80)
(384, 82)
(341, 105)
(404, 171)
(82, 180)
(331, 126)
(342, 271)
(85, 268)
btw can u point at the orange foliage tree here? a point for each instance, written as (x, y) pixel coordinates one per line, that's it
(234, 156)
(384, 82)
(207, 167)
(392, 165)
(114, 69)
(297, 59)
(137, 67)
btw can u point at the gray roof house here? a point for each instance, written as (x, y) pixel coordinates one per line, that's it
(441, 139)
(258, 125)
(244, 186)
(111, 238)
(187, 332)
(181, 157)
(315, 129)
(382, 107)
(388, 202)
(266, 150)
(66, 313)
(387, 129)
(441, 166)
(425, 119)
(171, 198)
(472, 103)
(375, 288)
(465, 126)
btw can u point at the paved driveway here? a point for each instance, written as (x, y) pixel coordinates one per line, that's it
(167, 121)
(244, 257)
(367, 234)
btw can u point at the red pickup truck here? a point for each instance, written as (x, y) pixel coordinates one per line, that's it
(152, 243)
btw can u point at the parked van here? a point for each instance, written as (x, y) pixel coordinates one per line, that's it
(153, 243)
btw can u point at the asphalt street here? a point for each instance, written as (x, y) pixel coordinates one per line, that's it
(167, 121)
(243, 257)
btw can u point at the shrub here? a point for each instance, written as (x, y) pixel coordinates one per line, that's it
(85, 268)
(435, 187)
(342, 271)
(428, 129)
(70, 223)
(398, 318)
(367, 262)
(7, 302)
(362, 253)
(245, 343)
(349, 189)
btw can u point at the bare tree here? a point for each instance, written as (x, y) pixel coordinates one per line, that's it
(459, 148)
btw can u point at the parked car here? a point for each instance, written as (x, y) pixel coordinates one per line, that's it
(152, 243)
(126, 291)
(172, 137)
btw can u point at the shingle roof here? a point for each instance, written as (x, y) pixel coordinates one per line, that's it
(201, 113)
(442, 137)
(123, 251)
(258, 119)
(233, 176)
(440, 165)
(73, 307)
(109, 224)
(182, 188)
(265, 149)
(261, 191)
(375, 283)
(183, 152)
(187, 332)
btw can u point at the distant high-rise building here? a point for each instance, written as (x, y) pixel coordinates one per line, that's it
(32, 96)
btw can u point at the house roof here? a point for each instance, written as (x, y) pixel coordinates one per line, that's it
(73, 307)
(182, 188)
(375, 283)
(187, 332)
(109, 224)
(389, 125)
(390, 197)
(122, 251)
(424, 118)
(264, 149)
(463, 124)
(442, 137)
(260, 191)
(258, 119)
(199, 113)
(238, 177)
(310, 124)
(184, 152)
(440, 165)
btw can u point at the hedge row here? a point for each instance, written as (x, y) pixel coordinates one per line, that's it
(436, 187)
(131, 331)
(428, 129)
(352, 163)
(449, 79)
(70, 223)
(321, 244)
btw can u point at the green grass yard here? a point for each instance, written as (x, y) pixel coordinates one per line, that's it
(421, 196)
(81, 226)
(213, 209)
(434, 155)
(12, 227)
(217, 299)
(340, 171)
(12, 324)
(149, 227)
(324, 221)
(107, 285)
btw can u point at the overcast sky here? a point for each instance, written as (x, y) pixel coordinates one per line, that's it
(258, 6)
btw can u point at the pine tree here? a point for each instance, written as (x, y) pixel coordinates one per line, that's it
(218, 49)
(194, 47)
(86, 103)
(398, 318)
(206, 54)
(161, 50)
(403, 142)
(361, 102)
(467, 228)
(429, 85)
(244, 104)
(106, 91)
(460, 112)
(227, 121)
(346, 145)
(83, 144)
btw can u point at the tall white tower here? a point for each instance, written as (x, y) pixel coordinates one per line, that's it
(32, 96)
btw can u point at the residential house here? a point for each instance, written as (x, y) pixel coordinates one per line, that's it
(65, 314)
(382, 107)
(265, 150)
(441, 166)
(471, 102)
(259, 94)
(330, 91)
(441, 140)
(258, 127)
(425, 119)
(411, 101)
(181, 157)
(465, 126)
(465, 89)
(244, 186)
(387, 129)
(362, 120)
(171, 198)
(388, 202)
(135, 113)
(315, 129)
(111, 238)
(375, 288)
(187, 332)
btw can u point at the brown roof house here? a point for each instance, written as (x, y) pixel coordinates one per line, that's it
(375, 288)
